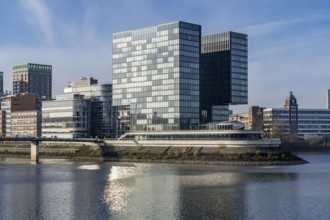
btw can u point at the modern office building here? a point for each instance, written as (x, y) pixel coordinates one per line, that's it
(1, 84)
(17, 107)
(224, 73)
(26, 123)
(68, 116)
(310, 123)
(156, 77)
(103, 121)
(33, 78)
(5, 116)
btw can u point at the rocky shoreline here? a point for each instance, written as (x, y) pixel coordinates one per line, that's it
(178, 155)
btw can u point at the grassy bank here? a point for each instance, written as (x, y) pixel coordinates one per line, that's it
(196, 155)
(200, 155)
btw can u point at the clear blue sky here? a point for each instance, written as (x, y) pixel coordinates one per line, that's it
(289, 40)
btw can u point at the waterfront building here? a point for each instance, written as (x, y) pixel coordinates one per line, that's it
(33, 78)
(156, 77)
(12, 106)
(292, 105)
(224, 73)
(26, 123)
(1, 84)
(242, 118)
(255, 118)
(168, 77)
(2, 123)
(103, 121)
(229, 134)
(309, 123)
(68, 116)
(312, 123)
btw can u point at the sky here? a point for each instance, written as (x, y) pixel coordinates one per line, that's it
(289, 40)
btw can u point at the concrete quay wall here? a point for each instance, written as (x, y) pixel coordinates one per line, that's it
(196, 143)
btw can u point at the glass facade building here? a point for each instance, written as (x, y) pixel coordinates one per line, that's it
(103, 122)
(5, 117)
(224, 73)
(66, 117)
(33, 78)
(156, 77)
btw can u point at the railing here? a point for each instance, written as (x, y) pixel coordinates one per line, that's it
(36, 139)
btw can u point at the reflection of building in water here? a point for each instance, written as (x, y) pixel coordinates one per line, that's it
(116, 192)
(213, 196)
(13, 191)
(273, 196)
(88, 191)
(134, 196)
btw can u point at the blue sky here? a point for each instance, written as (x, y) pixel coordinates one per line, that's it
(289, 40)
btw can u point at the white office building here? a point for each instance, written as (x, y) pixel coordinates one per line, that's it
(66, 117)
(312, 123)
(103, 122)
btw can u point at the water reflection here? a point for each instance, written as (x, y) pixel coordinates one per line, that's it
(154, 192)
(273, 194)
(116, 192)
(132, 192)
(212, 196)
(89, 167)
(71, 190)
(52, 191)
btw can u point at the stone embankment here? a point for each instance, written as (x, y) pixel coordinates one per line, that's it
(56, 150)
(188, 155)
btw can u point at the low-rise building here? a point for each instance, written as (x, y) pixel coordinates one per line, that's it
(12, 106)
(243, 118)
(68, 116)
(26, 124)
(312, 123)
(103, 121)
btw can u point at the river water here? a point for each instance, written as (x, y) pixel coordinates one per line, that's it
(61, 189)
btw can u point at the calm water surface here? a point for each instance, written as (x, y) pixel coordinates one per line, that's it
(60, 189)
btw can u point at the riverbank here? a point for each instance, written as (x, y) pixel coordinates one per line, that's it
(186, 155)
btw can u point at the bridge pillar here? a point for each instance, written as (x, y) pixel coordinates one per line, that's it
(35, 151)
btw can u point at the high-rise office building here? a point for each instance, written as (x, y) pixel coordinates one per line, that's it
(33, 78)
(156, 77)
(224, 73)
(1, 83)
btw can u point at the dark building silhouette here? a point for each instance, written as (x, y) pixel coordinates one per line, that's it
(224, 74)
(292, 105)
(255, 119)
(1, 83)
